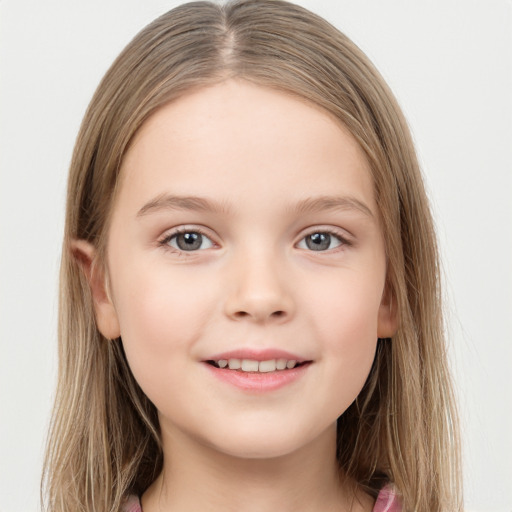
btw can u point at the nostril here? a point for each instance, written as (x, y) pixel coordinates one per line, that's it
(260, 315)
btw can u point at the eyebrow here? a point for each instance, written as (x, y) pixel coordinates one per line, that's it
(323, 203)
(172, 202)
(308, 205)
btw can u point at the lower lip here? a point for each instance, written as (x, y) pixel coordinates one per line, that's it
(259, 382)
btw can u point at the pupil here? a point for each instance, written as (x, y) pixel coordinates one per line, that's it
(189, 241)
(318, 241)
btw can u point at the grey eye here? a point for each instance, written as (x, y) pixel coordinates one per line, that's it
(320, 241)
(190, 241)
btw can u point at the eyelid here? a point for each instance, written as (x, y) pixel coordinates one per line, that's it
(339, 233)
(163, 240)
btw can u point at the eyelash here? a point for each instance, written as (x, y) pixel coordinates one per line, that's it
(343, 240)
(165, 242)
(181, 231)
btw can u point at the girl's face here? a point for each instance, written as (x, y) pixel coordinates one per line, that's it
(246, 229)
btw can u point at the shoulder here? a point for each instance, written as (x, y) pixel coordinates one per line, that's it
(131, 504)
(387, 501)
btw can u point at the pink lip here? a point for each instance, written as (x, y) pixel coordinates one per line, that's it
(254, 381)
(257, 355)
(258, 382)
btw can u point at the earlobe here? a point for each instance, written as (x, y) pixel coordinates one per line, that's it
(85, 254)
(388, 315)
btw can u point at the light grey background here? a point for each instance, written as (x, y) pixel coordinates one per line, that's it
(448, 62)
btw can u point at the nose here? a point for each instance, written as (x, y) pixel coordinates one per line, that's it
(260, 292)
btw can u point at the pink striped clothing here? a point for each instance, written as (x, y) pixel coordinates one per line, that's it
(387, 501)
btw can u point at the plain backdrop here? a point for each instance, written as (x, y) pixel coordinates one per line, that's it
(449, 63)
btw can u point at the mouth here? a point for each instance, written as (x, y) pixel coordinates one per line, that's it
(256, 366)
(258, 371)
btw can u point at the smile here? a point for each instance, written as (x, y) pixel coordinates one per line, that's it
(252, 365)
(258, 371)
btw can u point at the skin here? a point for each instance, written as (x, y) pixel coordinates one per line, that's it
(261, 159)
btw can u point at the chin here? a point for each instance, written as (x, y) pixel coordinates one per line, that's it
(244, 450)
(264, 443)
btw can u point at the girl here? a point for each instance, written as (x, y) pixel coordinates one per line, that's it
(250, 313)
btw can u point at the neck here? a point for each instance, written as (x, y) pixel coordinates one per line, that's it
(198, 477)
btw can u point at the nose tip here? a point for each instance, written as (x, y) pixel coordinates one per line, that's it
(259, 295)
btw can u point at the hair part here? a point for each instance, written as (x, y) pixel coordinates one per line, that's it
(402, 428)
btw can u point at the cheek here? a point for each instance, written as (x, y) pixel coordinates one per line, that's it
(346, 321)
(161, 316)
(347, 308)
(151, 298)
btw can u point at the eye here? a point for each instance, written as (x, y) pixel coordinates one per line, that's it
(321, 241)
(188, 241)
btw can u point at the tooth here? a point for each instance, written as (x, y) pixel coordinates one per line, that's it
(249, 365)
(281, 364)
(222, 363)
(234, 364)
(267, 366)
(291, 364)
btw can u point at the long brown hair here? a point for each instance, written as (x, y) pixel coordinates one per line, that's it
(104, 440)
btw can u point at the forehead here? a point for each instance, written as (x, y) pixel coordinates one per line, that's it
(238, 139)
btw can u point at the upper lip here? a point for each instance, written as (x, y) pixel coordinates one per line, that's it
(257, 355)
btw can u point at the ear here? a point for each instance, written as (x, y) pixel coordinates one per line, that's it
(86, 256)
(388, 314)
